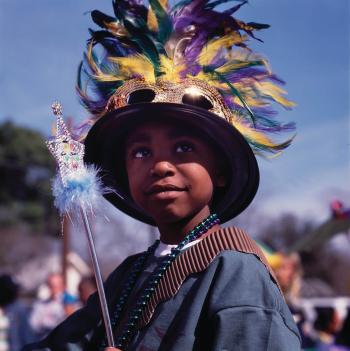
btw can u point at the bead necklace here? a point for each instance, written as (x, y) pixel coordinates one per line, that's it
(153, 281)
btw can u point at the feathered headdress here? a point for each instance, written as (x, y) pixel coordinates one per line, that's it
(160, 53)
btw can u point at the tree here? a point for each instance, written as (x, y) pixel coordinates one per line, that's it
(281, 233)
(26, 169)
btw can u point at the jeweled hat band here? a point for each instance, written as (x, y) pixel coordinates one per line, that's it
(193, 92)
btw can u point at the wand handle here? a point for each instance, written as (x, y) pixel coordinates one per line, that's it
(99, 282)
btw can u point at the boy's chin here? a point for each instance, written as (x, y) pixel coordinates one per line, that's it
(170, 215)
(176, 215)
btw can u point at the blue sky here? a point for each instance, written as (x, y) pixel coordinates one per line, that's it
(307, 45)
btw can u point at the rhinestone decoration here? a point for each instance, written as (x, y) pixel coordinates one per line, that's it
(134, 316)
(68, 152)
(170, 92)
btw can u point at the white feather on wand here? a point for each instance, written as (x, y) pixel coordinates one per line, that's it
(82, 188)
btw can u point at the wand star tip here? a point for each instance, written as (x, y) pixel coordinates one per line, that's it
(56, 108)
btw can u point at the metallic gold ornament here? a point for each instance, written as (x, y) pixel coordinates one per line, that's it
(166, 91)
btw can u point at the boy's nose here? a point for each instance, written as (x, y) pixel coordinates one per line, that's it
(162, 169)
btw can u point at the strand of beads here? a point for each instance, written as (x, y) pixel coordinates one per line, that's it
(155, 278)
(127, 288)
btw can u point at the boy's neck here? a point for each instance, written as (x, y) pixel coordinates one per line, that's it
(174, 233)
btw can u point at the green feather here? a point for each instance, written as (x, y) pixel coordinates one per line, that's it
(145, 43)
(79, 73)
(165, 26)
(180, 5)
(258, 25)
(100, 18)
(232, 88)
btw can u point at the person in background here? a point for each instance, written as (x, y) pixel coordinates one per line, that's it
(343, 338)
(327, 324)
(48, 313)
(86, 287)
(4, 329)
(15, 331)
(288, 272)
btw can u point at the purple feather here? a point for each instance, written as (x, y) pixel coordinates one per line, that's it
(93, 106)
(243, 73)
(276, 79)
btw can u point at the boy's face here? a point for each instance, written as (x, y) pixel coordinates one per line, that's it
(171, 171)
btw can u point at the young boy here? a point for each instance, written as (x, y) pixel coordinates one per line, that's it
(181, 104)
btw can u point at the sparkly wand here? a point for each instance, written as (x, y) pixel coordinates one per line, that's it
(75, 188)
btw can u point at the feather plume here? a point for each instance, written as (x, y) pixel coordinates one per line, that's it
(152, 21)
(82, 188)
(169, 70)
(210, 50)
(192, 39)
(134, 67)
(257, 139)
(274, 93)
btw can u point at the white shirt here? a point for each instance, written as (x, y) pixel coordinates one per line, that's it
(164, 249)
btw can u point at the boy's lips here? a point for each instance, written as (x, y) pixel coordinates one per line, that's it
(165, 192)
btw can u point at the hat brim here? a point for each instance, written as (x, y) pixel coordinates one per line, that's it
(104, 149)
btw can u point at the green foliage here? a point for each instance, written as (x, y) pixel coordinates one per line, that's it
(26, 170)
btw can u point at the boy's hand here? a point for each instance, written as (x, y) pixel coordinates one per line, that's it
(112, 349)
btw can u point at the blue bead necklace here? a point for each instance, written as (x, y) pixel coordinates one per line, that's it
(153, 281)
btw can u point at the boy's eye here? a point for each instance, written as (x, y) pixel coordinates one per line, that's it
(141, 153)
(184, 147)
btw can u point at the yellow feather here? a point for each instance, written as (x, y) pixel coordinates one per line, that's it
(209, 51)
(208, 78)
(232, 66)
(240, 54)
(90, 59)
(103, 77)
(245, 55)
(98, 74)
(256, 136)
(171, 72)
(275, 92)
(151, 17)
(250, 95)
(252, 134)
(117, 29)
(138, 65)
(203, 76)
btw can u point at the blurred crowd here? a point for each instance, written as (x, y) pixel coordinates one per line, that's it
(327, 331)
(22, 322)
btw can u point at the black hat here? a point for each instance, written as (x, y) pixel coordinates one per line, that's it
(104, 148)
